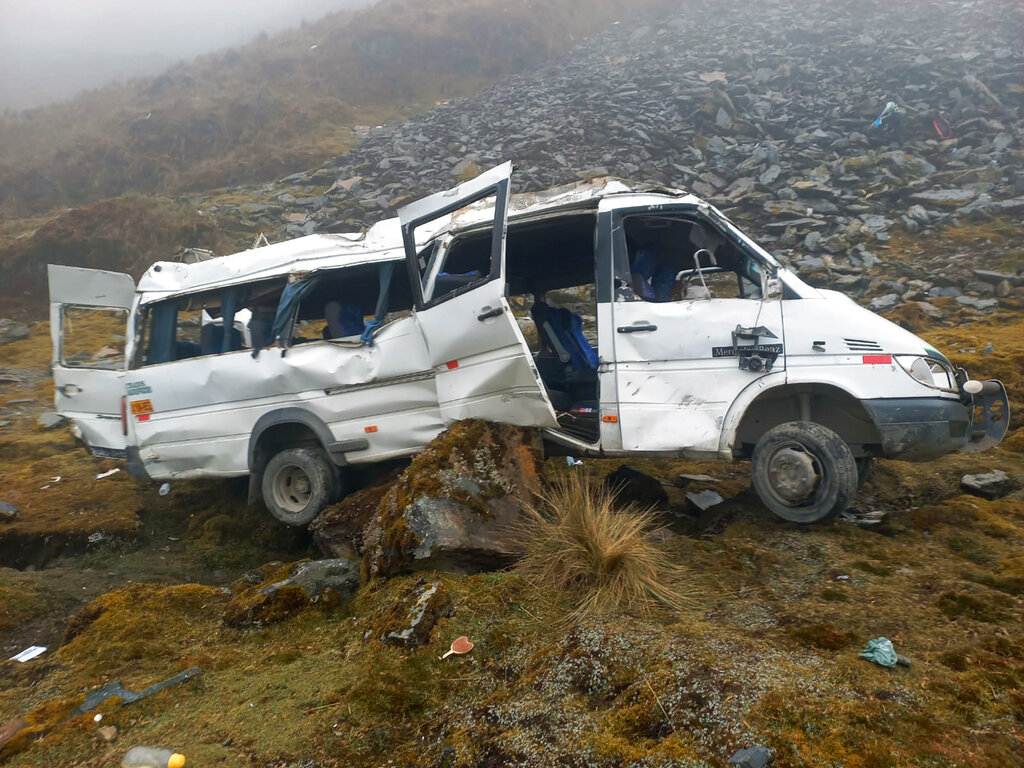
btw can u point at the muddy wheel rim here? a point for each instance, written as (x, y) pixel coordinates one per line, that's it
(793, 474)
(292, 489)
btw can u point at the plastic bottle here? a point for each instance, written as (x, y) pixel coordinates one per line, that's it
(151, 757)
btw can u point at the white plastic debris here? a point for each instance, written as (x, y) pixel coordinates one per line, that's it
(53, 481)
(29, 653)
(572, 462)
(108, 473)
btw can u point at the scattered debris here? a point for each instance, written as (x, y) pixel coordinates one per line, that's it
(751, 757)
(881, 652)
(866, 517)
(108, 473)
(460, 646)
(164, 489)
(29, 653)
(152, 757)
(573, 462)
(990, 485)
(704, 500)
(53, 481)
(98, 696)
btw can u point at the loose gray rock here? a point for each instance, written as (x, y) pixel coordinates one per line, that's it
(990, 485)
(8, 511)
(751, 757)
(11, 330)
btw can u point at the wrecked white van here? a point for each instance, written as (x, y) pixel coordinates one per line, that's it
(622, 320)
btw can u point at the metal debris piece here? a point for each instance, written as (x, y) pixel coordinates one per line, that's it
(29, 653)
(110, 690)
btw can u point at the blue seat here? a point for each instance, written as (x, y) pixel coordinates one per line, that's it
(561, 333)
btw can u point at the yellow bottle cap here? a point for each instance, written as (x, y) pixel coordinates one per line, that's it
(177, 760)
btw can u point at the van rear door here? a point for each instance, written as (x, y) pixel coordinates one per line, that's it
(88, 320)
(482, 364)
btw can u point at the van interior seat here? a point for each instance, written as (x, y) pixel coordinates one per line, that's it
(446, 282)
(343, 320)
(561, 333)
(211, 339)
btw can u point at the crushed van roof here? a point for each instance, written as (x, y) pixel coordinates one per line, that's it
(381, 242)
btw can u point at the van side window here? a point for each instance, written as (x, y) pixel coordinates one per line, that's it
(341, 304)
(209, 323)
(677, 259)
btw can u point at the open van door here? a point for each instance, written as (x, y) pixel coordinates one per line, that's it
(482, 364)
(88, 320)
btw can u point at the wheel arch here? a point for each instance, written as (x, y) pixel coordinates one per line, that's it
(825, 404)
(286, 428)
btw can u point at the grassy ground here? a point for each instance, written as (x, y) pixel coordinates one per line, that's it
(767, 653)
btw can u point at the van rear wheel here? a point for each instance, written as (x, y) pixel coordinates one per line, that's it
(804, 472)
(297, 484)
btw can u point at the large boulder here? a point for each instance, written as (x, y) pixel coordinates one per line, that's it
(453, 507)
(338, 530)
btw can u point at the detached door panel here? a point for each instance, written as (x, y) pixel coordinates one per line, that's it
(88, 320)
(483, 367)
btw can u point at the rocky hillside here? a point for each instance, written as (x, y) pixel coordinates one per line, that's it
(767, 111)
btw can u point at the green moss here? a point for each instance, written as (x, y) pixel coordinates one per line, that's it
(956, 604)
(823, 635)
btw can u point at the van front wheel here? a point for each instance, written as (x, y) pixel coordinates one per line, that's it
(804, 472)
(297, 484)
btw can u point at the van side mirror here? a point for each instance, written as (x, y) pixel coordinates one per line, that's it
(771, 286)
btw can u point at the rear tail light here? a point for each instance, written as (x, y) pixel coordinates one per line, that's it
(124, 415)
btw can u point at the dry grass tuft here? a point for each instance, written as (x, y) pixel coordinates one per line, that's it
(579, 544)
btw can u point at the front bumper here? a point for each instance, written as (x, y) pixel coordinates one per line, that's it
(924, 428)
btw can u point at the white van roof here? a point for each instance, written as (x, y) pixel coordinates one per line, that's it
(382, 241)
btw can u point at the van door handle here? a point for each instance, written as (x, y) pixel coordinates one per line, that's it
(636, 328)
(490, 313)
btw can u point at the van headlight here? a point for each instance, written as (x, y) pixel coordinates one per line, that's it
(929, 371)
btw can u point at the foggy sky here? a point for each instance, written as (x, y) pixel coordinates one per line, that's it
(51, 49)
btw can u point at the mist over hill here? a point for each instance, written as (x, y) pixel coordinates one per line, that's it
(52, 49)
(287, 101)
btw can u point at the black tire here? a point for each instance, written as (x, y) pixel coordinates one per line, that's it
(297, 484)
(804, 472)
(865, 469)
